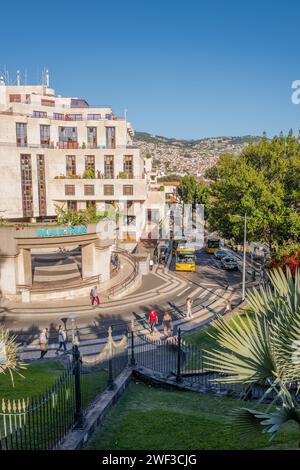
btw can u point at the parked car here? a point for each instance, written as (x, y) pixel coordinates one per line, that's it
(219, 254)
(229, 263)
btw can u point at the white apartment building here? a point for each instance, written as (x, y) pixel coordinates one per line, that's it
(63, 151)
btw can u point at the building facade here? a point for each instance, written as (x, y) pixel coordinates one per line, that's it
(61, 151)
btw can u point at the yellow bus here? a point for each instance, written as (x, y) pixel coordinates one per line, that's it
(213, 244)
(185, 258)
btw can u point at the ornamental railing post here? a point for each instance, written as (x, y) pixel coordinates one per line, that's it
(110, 359)
(79, 419)
(178, 375)
(132, 360)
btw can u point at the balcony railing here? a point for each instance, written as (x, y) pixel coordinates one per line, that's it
(67, 145)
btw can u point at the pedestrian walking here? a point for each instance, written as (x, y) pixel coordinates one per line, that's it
(153, 319)
(151, 264)
(62, 339)
(94, 296)
(189, 303)
(43, 340)
(228, 307)
(167, 323)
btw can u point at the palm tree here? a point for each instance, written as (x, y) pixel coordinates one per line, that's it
(263, 348)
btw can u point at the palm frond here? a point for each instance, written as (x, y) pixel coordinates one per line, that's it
(245, 355)
(249, 423)
(9, 360)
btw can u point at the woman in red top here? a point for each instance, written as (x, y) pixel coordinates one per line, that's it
(153, 319)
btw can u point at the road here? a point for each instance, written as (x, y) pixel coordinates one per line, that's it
(159, 290)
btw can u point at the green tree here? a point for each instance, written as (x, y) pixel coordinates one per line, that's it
(192, 192)
(264, 182)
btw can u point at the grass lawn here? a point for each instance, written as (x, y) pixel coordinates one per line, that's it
(203, 340)
(154, 418)
(40, 375)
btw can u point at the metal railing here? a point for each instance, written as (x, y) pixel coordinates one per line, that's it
(124, 284)
(40, 422)
(57, 285)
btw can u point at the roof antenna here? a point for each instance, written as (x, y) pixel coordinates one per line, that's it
(47, 78)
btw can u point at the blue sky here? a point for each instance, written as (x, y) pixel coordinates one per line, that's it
(187, 69)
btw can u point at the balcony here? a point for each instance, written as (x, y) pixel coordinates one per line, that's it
(67, 145)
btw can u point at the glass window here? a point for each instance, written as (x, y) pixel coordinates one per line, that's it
(26, 181)
(58, 116)
(73, 117)
(41, 185)
(92, 137)
(128, 190)
(109, 166)
(39, 114)
(72, 205)
(21, 132)
(69, 189)
(90, 162)
(89, 190)
(68, 137)
(46, 102)
(45, 135)
(108, 190)
(70, 165)
(110, 137)
(15, 98)
(93, 117)
(128, 166)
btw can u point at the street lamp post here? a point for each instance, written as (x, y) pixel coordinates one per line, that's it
(244, 259)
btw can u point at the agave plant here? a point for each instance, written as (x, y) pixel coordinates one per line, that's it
(263, 348)
(9, 360)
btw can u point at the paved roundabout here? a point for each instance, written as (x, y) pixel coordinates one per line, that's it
(209, 286)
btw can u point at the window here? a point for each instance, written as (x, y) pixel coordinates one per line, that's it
(41, 185)
(109, 166)
(21, 132)
(110, 137)
(39, 114)
(90, 162)
(58, 116)
(26, 182)
(79, 103)
(128, 165)
(70, 165)
(46, 102)
(72, 205)
(15, 98)
(128, 190)
(91, 204)
(92, 137)
(108, 190)
(73, 117)
(70, 189)
(45, 135)
(89, 190)
(130, 220)
(94, 117)
(68, 137)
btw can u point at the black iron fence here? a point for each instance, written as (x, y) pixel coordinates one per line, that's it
(41, 422)
(174, 358)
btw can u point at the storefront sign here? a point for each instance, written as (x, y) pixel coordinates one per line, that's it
(61, 231)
